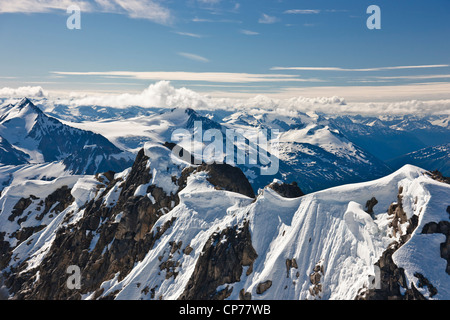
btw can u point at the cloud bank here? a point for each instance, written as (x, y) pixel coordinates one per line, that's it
(31, 92)
(163, 95)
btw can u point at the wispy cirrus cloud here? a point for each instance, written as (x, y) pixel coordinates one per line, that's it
(197, 19)
(266, 19)
(193, 56)
(360, 70)
(151, 10)
(417, 77)
(189, 34)
(140, 9)
(41, 6)
(215, 77)
(302, 11)
(249, 32)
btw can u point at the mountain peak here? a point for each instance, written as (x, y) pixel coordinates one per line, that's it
(26, 103)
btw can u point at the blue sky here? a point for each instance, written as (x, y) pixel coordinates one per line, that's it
(228, 48)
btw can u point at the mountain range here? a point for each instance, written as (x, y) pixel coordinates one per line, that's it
(347, 215)
(165, 229)
(28, 135)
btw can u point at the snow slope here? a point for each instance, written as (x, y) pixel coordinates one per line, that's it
(331, 243)
(328, 228)
(46, 139)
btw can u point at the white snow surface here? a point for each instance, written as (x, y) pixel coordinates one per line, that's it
(329, 228)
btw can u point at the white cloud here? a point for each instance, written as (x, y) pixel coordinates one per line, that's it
(420, 77)
(298, 11)
(209, 2)
(197, 19)
(360, 70)
(188, 34)
(31, 92)
(249, 32)
(266, 19)
(136, 9)
(162, 94)
(41, 6)
(145, 9)
(194, 57)
(216, 77)
(375, 93)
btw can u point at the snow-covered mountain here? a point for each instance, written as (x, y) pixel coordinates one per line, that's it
(165, 229)
(316, 151)
(311, 153)
(432, 158)
(38, 138)
(10, 155)
(390, 137)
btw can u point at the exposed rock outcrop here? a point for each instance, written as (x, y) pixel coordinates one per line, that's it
(101, 244)
(109, 238)
(444, 228)
(369, 206)
(287, 190)
(226, 177)
(316, 289)
(437, 175)
(221, 262)
(263, 286)
(393, 284)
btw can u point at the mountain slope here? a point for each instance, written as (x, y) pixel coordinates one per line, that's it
(430, 158)
(46, 139)
(9, 155)
(376, 137)
(312, 153)
(393, 136)
(164, 229)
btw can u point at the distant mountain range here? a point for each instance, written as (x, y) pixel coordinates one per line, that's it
(120, 197)
(30, 136)
(317, 151)
(437, 157)
(392, 137)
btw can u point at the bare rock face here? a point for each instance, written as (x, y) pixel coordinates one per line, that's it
(444, 228)
(399, 215)
(5, 251)
(316, 289)
(393, 282)
(226, 177)
(263, 287)
(221, 262)
(392, 278)
(290, 264)
(120, 243)
(244, 295)
(370, 204)
(287, 190)
(108, 240)
(437, 175)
